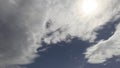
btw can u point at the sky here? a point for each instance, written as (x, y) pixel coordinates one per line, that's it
(59, 34)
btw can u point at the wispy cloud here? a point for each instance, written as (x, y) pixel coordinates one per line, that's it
(104, 50)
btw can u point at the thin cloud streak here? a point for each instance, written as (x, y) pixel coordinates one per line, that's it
(105, 49)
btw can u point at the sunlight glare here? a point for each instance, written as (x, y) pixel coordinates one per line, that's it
(89, 6)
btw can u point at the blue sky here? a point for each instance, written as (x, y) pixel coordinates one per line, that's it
(68, 55)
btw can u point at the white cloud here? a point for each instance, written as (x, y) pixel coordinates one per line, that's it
(25, 23)
(104, 50)
(69, 20)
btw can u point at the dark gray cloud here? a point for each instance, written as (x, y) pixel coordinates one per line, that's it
(17, 45)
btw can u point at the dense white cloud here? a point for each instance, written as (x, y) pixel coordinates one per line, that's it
(25, 23)
(69, 20)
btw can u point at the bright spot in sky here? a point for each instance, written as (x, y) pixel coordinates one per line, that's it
(89, 6)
